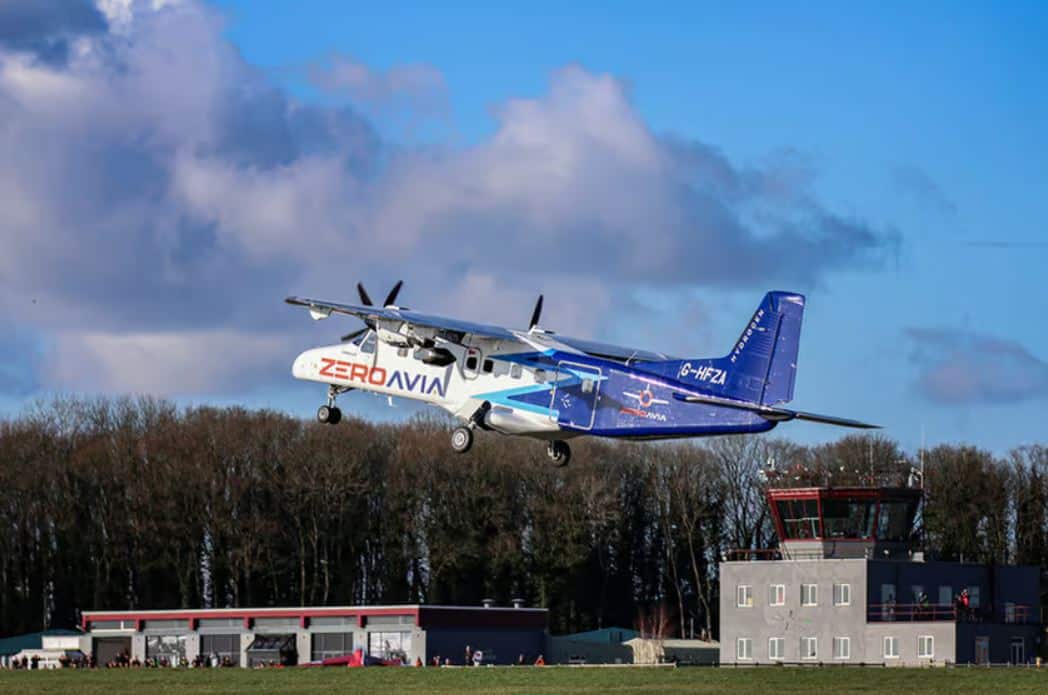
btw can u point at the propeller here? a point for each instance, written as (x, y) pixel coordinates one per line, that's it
(355, 334)
(536, 314)
(365, 299)
(391, 298)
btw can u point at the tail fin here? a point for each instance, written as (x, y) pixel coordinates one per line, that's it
(761, 367)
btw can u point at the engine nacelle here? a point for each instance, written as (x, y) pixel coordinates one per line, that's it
(436, 356)
(509, 421)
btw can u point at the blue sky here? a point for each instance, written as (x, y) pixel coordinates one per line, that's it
(861, 154)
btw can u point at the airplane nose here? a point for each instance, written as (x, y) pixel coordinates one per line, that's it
(300, 367)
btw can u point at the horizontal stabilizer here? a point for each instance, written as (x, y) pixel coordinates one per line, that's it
(772, 413)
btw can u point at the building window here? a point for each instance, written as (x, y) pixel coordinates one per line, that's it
(842, 647)
(168, 650)
(919, 596)
(389, 645)
(263, 624)
(809, 594)
(925, 647)
(842, 594)
(809, 648)
(973, 596)
(776, 648)
(891, 647)
(744, 649)
(777, 595)
(327, 645)
(945, 595)
(221, 650)
(744, 596)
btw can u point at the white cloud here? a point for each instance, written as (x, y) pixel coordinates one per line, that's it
(161, 194)
(164, 363)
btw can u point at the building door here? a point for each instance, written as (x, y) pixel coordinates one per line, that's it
(982, 650)
(107, 649)
(1017, 651)
(574, 397)
(887, 601)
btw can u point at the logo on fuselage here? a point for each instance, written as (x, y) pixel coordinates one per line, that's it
(380, 376)
(645, 399)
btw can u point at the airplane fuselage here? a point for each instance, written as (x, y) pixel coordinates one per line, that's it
(532, 390)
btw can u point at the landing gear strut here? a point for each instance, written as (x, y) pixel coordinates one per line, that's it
(559, 453)
(330, 414)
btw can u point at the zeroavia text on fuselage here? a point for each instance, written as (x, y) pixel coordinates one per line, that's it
(536, 383)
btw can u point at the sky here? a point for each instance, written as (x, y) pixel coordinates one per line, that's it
(172, 169)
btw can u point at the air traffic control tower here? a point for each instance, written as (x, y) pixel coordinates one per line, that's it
(845, 586)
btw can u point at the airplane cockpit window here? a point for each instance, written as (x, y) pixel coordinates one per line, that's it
(368, 345)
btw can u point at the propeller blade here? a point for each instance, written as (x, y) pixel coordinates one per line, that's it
(354, 335)
(391, 298)
(364, 298)
(537, 314)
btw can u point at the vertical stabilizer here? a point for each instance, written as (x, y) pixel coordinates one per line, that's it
(762, 365)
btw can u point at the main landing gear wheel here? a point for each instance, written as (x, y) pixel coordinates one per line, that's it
(461, 439)
(559, 453)
(329, 415)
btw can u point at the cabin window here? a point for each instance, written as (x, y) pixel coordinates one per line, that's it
(587, 385)
(514, 371)
(471, 363)
(402, 352)
(489, 366)
(540, 376)
(368, 345)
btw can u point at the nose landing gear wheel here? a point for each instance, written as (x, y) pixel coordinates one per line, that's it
(461, 439)
(559, 453)
(329, 415)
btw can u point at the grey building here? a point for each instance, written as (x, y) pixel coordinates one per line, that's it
(255, 636)
(844, 587)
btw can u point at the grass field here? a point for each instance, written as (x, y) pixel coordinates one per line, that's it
(389, 681)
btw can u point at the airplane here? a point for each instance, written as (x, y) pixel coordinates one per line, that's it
(536, 383)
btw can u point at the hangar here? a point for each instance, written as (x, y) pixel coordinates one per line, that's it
(252, 637)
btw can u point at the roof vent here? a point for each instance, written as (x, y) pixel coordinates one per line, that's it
(488, 602)
(518, 603)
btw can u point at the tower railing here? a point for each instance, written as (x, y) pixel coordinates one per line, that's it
(915, 612)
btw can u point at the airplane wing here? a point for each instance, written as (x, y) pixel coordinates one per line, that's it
(321, 309)
(614, 352)
(775, 414)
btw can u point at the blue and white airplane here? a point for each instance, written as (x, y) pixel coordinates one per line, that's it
(540, 384)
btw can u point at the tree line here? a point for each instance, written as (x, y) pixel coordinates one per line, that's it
(138, 504)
